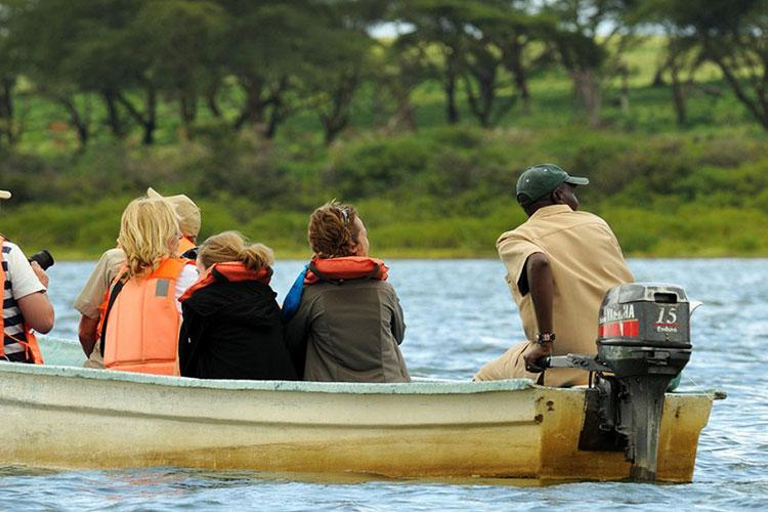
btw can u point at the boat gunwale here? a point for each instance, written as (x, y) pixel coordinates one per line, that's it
(405, 388)
(416, 387)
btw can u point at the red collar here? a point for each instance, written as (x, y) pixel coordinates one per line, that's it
(233, 271)
(348, 267)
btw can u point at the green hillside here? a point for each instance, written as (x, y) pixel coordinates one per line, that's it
(442, 191)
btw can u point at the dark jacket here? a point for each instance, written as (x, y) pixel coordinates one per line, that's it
(233, 330)
(348, 332)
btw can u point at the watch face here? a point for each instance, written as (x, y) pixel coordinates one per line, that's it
(543, 338)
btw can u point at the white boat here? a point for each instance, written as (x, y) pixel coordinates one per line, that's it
(69, 417)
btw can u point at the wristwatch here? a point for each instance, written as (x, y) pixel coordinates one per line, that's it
(545, 337)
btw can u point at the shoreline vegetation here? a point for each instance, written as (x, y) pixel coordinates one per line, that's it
(668, 190)
(442, 192)
(439, 193)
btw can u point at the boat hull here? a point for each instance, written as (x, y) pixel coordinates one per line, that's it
(78, 418)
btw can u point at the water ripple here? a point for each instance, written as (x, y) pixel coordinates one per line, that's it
(454, 326)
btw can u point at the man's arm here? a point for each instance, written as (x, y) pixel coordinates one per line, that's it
(92, 296)
(541, 283)
(88, 333)
(35, 307)
(37, 311)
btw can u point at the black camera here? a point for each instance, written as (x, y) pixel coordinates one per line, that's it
(43, 258)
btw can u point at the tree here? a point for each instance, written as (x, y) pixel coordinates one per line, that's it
(265, 49)
(88, 46)
(590, 37)
(498, 33)
(181, 39)
(439, 24)
(481, 79)
(336, 69)
(398, 71)
(9, 69)
(733, 34)
(513, 31)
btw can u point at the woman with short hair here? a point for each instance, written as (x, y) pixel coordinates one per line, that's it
(349, 324)
(232, 326)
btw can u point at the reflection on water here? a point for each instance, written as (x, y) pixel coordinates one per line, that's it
(460, 315)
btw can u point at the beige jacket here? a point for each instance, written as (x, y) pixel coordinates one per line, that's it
(586, 261)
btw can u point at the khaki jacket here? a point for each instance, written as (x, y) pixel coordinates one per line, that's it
(586, 261)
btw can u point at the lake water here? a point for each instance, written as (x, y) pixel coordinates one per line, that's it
(460, 315)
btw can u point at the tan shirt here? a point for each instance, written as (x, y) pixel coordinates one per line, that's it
(586, 261)
(95, 290)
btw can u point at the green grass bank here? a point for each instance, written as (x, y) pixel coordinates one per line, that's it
(697, 190)
(441, 192)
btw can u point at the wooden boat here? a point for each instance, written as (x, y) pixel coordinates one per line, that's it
(68, 417)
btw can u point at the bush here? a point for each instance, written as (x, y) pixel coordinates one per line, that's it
(374, 168)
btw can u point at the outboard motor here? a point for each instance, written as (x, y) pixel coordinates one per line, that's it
(643, 343)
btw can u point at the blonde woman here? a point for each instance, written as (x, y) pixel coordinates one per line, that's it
(232, 326)
(141, 323)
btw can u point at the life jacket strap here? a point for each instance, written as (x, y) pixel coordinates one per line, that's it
(112, 298)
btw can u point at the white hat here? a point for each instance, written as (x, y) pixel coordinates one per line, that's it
(4, 194)
(186, 209)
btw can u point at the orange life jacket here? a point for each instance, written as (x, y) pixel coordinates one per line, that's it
(141, 325)
(233, 271)
(185, 244)
(338, 270)
(29, 341)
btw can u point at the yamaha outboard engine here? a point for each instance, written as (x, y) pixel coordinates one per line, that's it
(643, 343)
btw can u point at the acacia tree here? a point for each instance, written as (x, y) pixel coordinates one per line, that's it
(397, 71)
(733, 34)
(482, 82)
(9, 69)
(335, 71)
(7, 83)
(682, 56)
(439, 24)
(264, 49)
(89, 46)
(590, 37)
(497, 36)
(513, 30)
(46, 56)
(180, 38)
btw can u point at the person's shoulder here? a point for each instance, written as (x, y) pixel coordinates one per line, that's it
(587, 215)
(12, 253)
(520, 234)
(9, 247)
(114, 257)
(583, 217)
(385, 286)
(115, 253)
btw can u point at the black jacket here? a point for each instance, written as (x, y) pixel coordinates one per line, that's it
(233, 330)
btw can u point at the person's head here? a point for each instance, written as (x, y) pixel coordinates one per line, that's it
(336, 230)
(232, 246)
(188, 212)
(149, 232)
(545, 185)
